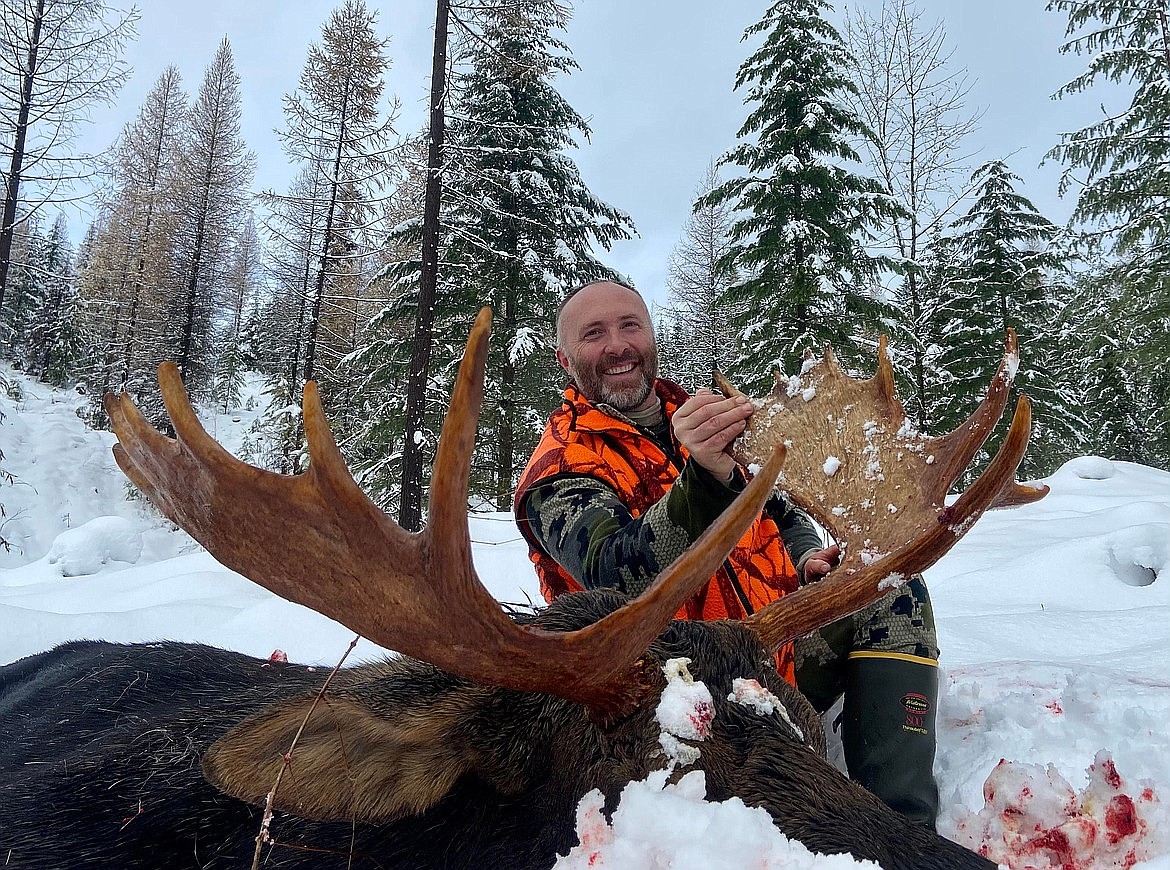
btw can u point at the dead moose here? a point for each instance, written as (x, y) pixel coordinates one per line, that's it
(472, 749)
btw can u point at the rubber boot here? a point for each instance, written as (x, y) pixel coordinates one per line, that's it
(888, 730)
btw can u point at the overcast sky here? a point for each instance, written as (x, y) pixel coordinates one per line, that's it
(655, 81)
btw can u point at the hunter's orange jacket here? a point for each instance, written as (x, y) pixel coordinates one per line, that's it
(580, 439)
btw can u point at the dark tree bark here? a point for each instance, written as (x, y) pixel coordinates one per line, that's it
(410, 506)
(16, 165)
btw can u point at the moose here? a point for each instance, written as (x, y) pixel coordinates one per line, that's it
(473, 747)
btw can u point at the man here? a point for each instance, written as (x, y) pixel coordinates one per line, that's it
(630, 471)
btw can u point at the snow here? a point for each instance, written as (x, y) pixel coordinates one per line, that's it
(751, 694)
(1054, 623)
(102, 540)
(664, 826)
(685, 712)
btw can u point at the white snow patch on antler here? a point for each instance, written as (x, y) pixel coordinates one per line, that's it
(1012, 365)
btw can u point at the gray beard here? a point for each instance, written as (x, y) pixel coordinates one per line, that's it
(625, 399)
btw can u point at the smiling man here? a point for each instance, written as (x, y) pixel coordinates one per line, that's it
(631, 470)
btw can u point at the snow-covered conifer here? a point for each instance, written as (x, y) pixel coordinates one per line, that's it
(803, 213)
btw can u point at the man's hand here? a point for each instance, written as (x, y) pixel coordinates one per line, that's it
(706, 424)
(821, 563)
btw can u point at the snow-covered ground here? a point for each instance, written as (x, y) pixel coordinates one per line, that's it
(1054, 621)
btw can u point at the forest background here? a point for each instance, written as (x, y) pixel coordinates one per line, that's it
(849, 189)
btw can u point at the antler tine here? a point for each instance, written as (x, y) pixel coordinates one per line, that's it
(954, 451)
(325, 462)
(1020, 494)
(843, 593)
(125, 417)
(729, 389)
(188, 429)
(447, 514)
(884, 377)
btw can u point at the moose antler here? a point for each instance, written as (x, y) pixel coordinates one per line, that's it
(874, 482)
(315, 538)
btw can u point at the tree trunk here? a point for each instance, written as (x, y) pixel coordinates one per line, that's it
(410, 504)
(12, 189)
(186, 351)
(323, 262)
(506, 435)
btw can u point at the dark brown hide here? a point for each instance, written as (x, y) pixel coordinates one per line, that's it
(408, 766)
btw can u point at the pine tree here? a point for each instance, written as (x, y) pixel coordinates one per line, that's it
(241, 286)
(25, 288)
(292, 227)
(924, 327)
(1102, 344)
(131, 258)
(378, 368)
(1120, 166)
(1003, 279)
(695, 336)
(912, 98)
(218, 171)
(804, 216)
(326, 229)
(522, 222)
(58, 58)
(55, 345)
(520, 227)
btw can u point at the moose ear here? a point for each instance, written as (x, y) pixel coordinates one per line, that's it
(348, 763)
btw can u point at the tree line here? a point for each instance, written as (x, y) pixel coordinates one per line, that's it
(845, 210)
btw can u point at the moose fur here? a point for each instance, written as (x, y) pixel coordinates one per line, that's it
(160, 755)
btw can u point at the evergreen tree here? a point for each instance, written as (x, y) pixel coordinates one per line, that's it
(240, 288)
(912, 98)
(217, 171)
(131, 262)
(292, 227)
(1103, 342)
(695, 336)
(58, 58)
(1120, 166)
(55, 345)
(519, 227)
(924, 327)
(326, 229)
(799, 240)
(378, 368)
(1002, 279)
(25, 288)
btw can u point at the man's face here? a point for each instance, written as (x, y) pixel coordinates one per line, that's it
(607, 346)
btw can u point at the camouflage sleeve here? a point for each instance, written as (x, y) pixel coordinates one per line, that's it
(797, 530)
(582, 524)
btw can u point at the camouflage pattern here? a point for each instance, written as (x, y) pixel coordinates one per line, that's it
(643, 472)
(573, 517)
(583, 523)
(900, 623)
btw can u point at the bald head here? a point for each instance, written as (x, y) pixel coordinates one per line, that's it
(587, 291)
(605, 341)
